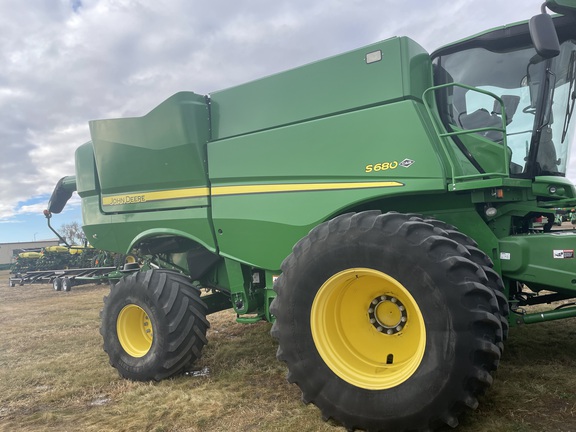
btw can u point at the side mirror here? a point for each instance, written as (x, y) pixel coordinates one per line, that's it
(544, 36)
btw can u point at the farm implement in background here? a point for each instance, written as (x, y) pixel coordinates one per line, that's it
(65, 279)
(68, 266)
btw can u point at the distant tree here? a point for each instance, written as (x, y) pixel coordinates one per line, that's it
(72, 233)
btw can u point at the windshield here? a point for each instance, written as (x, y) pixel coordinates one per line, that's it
(516, 77)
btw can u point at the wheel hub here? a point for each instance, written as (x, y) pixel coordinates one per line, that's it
(135, 331)
(387, 314)
(374, 352)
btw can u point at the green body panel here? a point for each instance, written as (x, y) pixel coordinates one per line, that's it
(154, 162)
(120, 232)
(334, 85)
(86, 181)
(336, 148)
(542, 261)
(162, 151)
(563, 189)
(338, 151)
(261, 229)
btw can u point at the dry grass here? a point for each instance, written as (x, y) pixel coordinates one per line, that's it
(55, 376)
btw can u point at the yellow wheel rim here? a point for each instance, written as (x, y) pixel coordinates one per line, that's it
(134, 330)
(368, 328)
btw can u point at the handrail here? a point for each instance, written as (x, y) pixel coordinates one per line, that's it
(443, 135)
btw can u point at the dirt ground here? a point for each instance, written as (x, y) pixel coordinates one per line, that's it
(54, 376)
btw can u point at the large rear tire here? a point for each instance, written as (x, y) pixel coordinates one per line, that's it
(385, 323)
(153, 324)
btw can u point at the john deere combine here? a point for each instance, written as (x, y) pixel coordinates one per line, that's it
(377, 206)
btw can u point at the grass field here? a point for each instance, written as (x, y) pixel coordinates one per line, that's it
(54, 376)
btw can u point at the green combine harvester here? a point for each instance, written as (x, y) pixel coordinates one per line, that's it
(377, 206)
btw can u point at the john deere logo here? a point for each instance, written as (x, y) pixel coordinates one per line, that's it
(406, 163)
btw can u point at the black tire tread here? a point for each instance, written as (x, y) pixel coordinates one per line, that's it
(480, 258)
(173, 297)
(451, 251)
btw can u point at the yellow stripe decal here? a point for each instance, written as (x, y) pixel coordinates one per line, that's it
(155, 196)
(255, 189)
(238, 190)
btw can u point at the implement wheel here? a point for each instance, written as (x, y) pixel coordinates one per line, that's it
(385, 323)
(67, 284)
(153, 324)
(57, 284)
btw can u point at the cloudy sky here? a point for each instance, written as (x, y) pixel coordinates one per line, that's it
(64, 62)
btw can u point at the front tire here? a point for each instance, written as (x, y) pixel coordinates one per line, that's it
(385, 323)
(153, 324)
